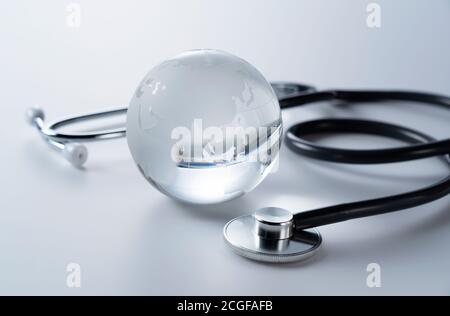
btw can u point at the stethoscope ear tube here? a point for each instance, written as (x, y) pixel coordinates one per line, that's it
(70, 144)
(421, 146)
(76, 153)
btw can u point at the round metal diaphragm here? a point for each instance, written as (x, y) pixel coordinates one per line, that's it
(242, 235)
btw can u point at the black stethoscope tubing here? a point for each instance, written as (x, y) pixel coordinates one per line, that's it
(421, 146)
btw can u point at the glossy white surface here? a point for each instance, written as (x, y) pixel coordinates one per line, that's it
(129, 238)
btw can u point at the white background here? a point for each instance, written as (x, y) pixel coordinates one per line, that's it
(129, 238)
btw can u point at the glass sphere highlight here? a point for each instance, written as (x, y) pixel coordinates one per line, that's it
(204, 127)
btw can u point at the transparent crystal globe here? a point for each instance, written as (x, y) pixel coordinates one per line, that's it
(204, 127)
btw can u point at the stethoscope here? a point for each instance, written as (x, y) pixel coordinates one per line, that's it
(277, 235)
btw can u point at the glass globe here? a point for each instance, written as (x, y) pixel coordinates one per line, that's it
(204, 127)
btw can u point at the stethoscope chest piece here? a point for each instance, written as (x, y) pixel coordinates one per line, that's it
(268, 235)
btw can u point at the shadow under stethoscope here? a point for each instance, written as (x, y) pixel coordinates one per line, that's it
(54, 166)
(50, 165)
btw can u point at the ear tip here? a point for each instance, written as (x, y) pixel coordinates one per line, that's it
(33, 113)
(76, 154)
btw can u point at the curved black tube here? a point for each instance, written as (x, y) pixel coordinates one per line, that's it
(421, 146)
